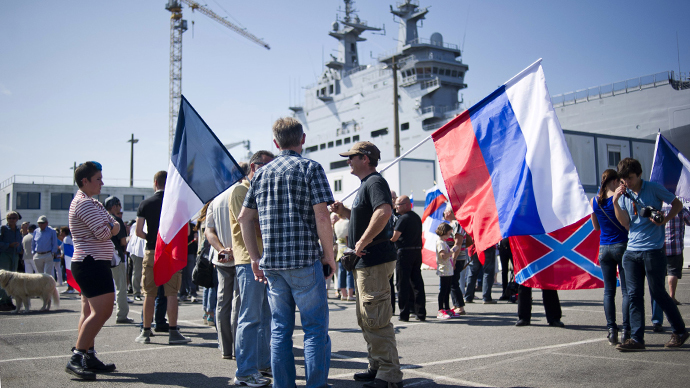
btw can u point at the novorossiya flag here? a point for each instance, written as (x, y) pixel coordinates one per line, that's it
(200, 168)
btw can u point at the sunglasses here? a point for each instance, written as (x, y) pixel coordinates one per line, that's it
(352, 156)
(12, 218)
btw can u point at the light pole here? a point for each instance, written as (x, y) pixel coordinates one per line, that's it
(74, 169)
(131, 161)
(396, 123)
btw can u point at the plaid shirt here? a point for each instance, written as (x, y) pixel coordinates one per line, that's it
(675, 230)
(284, 193)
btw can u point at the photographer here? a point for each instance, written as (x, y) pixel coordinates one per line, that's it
(637, 204)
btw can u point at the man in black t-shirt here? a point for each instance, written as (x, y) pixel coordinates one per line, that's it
(369, 236)
(407, 237)
(150, 213)
(113, 206)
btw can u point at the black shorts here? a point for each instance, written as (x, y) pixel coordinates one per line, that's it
(94, 277)
(674, 265)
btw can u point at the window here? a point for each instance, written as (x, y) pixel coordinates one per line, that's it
(322, 146)
(346, 140)
(614, 152)
(448, 72)
(312, 148)
(338, 164)
(461, 74)
(28, 200)
(132, 202)
(60, 201)
(338, 185)
(355, 138)
(330, 144)
(379, 132)
(7, 203)
(338, 142)
(454, 73)
(353, 46)
(435, 70)
(101, 198)
(404, 126)
(330, 89)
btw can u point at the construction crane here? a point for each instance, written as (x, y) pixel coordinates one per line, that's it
(177, 27)
(246, 143)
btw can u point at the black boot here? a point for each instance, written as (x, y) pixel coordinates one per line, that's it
(77, 366)
(97, 366)
(613, 336)
(369, 375)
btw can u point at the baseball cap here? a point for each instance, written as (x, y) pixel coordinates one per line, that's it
(111, 201)
(42, 219)
(364, 148)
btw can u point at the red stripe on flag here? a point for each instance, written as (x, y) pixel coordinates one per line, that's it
(71, 281)
(467, 180)
(170, 258)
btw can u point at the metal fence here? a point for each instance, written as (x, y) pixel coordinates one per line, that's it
(67, 180)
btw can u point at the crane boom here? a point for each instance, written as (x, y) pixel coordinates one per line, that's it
(196, 6)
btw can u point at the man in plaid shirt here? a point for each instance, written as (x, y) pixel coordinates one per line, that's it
(289, 198)
(675, 233)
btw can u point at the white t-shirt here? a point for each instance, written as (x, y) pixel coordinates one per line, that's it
(218, 218)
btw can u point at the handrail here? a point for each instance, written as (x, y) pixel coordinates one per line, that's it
(432, 43)
(65, 180)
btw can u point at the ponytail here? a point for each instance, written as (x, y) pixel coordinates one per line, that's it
(606, 177)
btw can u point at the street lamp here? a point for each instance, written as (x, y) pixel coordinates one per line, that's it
(131, 161)
(396, 124)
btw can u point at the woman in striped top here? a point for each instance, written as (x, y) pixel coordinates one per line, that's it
(91, 227)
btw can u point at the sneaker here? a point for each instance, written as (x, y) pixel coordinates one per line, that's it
(557, 324)
(453, 313)
(369, 375)
(255, 380)
(211, 320)
(77, 366)
(203, 319)
(459, 310)
(442, 314)
(630, 345)
(138, 298)
(176, 338)
(490, 301)
(504, 297)
(657, 328)
(194, 299)
(144, 337)
(522, 322)
(124, 320)
(130, 300)
(266, 372)
(378, 383)
(677, 340)
(97, 366)
(613, 337)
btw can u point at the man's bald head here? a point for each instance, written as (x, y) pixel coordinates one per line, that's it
(403, 204)
(448, 214)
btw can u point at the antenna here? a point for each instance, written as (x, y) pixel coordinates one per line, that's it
(464, 34)
(678, 50)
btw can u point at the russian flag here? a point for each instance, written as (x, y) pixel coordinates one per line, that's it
(671, 169)
(432, 217)
(200, 168)
(68, 249)
(506, 164)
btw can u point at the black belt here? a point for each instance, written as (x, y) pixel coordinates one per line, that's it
(43, 253)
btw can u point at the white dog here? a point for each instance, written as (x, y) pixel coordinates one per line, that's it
(23, 286)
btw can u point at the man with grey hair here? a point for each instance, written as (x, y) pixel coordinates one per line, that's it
(289, 198)
(113, 206)
(44, 246)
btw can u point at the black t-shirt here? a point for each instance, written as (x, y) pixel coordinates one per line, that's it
(373, 193)
(150, 210)
(410, 227)
(119, 236)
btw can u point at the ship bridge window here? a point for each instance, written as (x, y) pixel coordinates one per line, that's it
(461, 74)
(312, 148)
(355, 138)
(379, 132)
(338, 142)
(435, 70)
(330, 144)
(322, 146)
(338, 164)
(454, 73)
(404, 126)
(346, 140)
(448, 72)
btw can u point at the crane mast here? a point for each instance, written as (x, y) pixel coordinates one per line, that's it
(177, 27)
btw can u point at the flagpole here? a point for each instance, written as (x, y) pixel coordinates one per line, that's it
(526, 69)
(392, 163)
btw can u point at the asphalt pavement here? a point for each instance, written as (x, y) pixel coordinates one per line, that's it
(482, 348)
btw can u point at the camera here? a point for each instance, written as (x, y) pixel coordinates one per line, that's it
(655, 214)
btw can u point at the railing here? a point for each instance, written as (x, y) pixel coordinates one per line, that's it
(432, 43)
(355, 70)
(440, 109)
(621, 87)
(430, 84)
(67, 180)
(433, 126)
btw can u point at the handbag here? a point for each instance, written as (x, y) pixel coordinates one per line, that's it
(202, 275)
(349, 259)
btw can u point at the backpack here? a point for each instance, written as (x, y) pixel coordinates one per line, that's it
(202, 275)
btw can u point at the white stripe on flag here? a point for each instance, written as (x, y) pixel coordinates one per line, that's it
(180, 203)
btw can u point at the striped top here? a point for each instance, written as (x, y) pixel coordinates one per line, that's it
(89, 223)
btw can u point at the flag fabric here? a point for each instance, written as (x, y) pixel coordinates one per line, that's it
(566, 259)
(68, 250)
(506, 165)
(412, 201)
(432, 217)
(200, 168)
(670, 168)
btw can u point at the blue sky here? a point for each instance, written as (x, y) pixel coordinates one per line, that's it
(77, 78)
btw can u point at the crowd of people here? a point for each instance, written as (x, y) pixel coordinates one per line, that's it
(276, 238)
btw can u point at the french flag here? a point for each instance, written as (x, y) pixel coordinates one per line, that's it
(506, 164)
(200, 168)
(670, 168)
(432, 217)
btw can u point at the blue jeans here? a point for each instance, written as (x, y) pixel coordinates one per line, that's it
(653, 264)
(657, 313)
(188, 288)
(610, 259)
(345, 278)
(306, 289)
(475, 268)
(253, 345)
(489, 272)
(210, 297)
